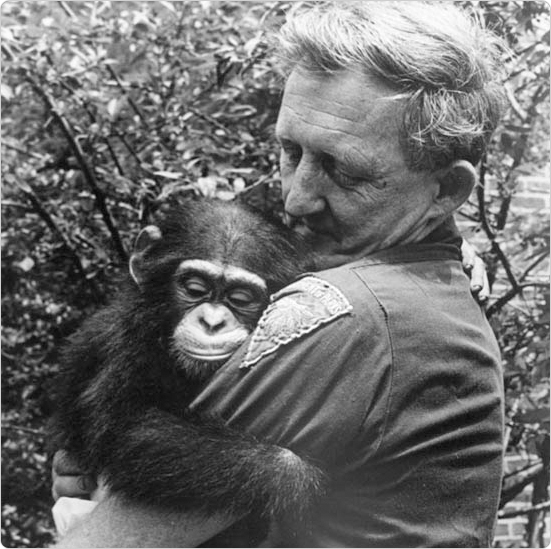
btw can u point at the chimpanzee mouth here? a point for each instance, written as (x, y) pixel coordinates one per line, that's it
(210, 357)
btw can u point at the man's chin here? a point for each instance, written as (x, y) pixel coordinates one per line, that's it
(327, 249)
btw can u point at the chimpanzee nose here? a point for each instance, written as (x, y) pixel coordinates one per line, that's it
(213, 317)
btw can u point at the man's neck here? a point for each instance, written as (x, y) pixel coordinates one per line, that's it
(445, 231)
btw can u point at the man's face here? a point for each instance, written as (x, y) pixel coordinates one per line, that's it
(343, 172)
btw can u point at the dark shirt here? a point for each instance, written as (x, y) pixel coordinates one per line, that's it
(387, 373)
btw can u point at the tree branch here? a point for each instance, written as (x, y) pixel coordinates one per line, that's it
(23, 151)
(87, 171)
(516, 287)
(28, 430)
(131, 102)
(480, 195)
(513, 292)
(30, 194)
(138, 160)
(514, 485)
(501, 217)
(534, 264)
(67, 9)
(506, 264)
(519, 512)
(113, 156)
(519, 111)
(93, 118)
(82, 102)
(12, 204)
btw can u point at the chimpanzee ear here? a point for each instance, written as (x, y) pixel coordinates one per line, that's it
(144, 242)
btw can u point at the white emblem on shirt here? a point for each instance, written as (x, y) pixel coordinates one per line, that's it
(296, 310)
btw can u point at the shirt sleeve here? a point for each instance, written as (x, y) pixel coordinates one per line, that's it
(307, 377)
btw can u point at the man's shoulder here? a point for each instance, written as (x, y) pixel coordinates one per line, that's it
(402, 275)
(421, 292)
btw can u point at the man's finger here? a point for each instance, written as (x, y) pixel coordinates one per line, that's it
(72, 486)
(480, 285)
(468, 256)
(63, 464)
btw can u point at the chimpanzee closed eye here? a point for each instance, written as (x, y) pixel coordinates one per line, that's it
(220, 306)
(198, 285)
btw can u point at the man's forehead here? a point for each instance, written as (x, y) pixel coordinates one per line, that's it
(343, 97)
(339, 105)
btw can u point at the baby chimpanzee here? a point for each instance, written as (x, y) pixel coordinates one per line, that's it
(199, 283)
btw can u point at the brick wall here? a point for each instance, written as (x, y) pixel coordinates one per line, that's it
(510, 532)
(532, 195)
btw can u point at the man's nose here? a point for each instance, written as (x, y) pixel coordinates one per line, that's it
(301, 189)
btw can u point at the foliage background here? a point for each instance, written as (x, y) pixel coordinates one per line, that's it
(108, 109)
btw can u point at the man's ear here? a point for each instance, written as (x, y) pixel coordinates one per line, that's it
(147, 238)
(455, 183)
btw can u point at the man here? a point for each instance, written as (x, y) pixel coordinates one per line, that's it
(381, 366)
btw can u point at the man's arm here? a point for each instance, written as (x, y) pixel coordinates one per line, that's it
(117, 523)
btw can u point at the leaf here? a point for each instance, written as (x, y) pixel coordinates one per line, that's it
(239, 185)
(225, 195)
(246, 136)
(207, 185)
(169, 175)
(6, 91)
(48, 22)
(141, 22)
(25, 264)
(251, 44)
(538, 415)
(169, 6)
(114, 107)
(6, 34)
(245, 171)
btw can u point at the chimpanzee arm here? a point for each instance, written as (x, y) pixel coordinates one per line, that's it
(150, 455)
(81, 362)
(202, 466)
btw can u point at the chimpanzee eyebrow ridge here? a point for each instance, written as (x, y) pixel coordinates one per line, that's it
(229, 272)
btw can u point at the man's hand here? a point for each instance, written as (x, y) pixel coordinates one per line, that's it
(476, 269)
(68, 479)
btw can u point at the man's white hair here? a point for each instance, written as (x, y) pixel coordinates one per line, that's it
(443, 61)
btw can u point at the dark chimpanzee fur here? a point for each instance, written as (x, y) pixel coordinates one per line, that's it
(123, 398)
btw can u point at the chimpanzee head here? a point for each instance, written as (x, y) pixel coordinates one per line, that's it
(212, 266)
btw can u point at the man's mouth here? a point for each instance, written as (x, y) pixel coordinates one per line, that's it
(290, 220)
(320, 229)
(309, 224)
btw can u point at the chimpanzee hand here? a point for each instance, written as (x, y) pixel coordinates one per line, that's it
(476, 269)
(68, 479)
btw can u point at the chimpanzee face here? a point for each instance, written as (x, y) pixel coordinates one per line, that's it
(219, 305)
(215, 265)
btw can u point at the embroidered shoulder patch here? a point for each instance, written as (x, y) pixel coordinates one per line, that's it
(296, 310)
